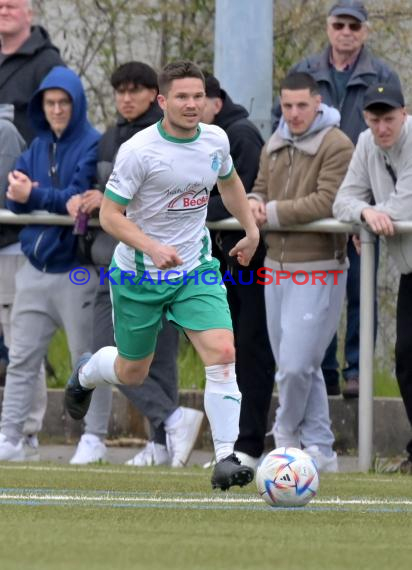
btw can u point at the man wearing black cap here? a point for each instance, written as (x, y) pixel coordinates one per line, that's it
(343, 71)
(381, 172)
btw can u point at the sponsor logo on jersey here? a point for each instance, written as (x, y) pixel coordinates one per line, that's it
(113, 181)
(216, 163)
(189, 200)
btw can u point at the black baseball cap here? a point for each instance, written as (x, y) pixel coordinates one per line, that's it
(383, 94)
(352, 8)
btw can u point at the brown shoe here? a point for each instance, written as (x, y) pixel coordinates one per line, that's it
(351, 389)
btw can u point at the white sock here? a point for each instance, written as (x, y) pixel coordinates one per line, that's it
(222, 405)
(99, 369)
(174, 418)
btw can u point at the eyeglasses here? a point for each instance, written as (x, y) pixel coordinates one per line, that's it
(62, 104)
(353, 26)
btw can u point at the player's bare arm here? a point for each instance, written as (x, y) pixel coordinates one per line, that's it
(115, 223)
(235, 200)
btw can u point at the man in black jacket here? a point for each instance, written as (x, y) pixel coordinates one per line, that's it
(173, 429)
(26, 57)
(254, 362)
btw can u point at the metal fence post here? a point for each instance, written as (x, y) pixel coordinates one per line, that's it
(366, 347)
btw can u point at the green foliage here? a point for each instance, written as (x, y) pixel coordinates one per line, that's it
(385, 384)
(191, 369)
(58, 358)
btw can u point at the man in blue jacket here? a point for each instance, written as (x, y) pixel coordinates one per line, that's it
(60, 163)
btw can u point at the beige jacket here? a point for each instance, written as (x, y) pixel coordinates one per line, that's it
(298, 181)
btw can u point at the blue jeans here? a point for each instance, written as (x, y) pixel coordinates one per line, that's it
(330, 365)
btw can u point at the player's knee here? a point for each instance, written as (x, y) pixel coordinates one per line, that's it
(132, 374)
(225, 353)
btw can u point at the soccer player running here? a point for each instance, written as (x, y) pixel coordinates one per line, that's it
(162, 179)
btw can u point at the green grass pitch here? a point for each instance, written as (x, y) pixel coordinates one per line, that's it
(55, 517)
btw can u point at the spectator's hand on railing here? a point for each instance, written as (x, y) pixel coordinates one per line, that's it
(258, 210)
(20, 187)
(91, 200)
(73, 205)
(379, 222)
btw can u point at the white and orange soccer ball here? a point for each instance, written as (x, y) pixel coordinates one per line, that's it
(287, 477)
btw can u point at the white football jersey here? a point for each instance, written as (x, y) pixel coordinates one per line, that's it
(165, 182)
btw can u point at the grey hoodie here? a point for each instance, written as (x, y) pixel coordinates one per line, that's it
(368, 178)
(11, 146)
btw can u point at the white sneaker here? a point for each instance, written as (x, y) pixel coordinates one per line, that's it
(90, 449)
(247, 460)
(10, 452)
(210, 463)
(31, 448)
(181, 437)
(324, 463)
(152, 454)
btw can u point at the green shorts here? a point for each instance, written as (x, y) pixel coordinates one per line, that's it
(138, 306)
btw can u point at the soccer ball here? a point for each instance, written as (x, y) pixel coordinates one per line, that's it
(287, 477)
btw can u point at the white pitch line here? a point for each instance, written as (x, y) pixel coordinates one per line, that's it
(187, 500)
(105, 470)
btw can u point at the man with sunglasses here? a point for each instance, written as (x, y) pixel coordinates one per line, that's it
(343, 71)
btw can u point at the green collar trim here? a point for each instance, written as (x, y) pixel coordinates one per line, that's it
(168, 137)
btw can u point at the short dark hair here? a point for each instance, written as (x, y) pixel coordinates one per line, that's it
(299, 80)
(212, 86)
(178, 70)
(135, 73)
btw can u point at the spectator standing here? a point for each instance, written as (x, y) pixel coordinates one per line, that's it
(343, 72)
(60, 162)
(380, 172)
(135, 91)
(254, 360)
(301, 168)
(11, 259)
(26, 56)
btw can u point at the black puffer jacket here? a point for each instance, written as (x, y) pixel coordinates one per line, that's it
(245, 146)
(22, 72)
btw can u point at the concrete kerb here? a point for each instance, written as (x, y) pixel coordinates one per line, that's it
(391, 427)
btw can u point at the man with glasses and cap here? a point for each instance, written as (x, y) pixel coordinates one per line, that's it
(343, 71)
(380, 173)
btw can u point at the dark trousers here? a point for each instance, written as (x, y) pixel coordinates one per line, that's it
(403, 347)
(255, 367)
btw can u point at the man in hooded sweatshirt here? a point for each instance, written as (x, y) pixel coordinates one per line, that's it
(26, 56)
(60, 163)
(301, 168)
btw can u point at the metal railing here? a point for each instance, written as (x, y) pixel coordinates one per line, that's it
(365, 441)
